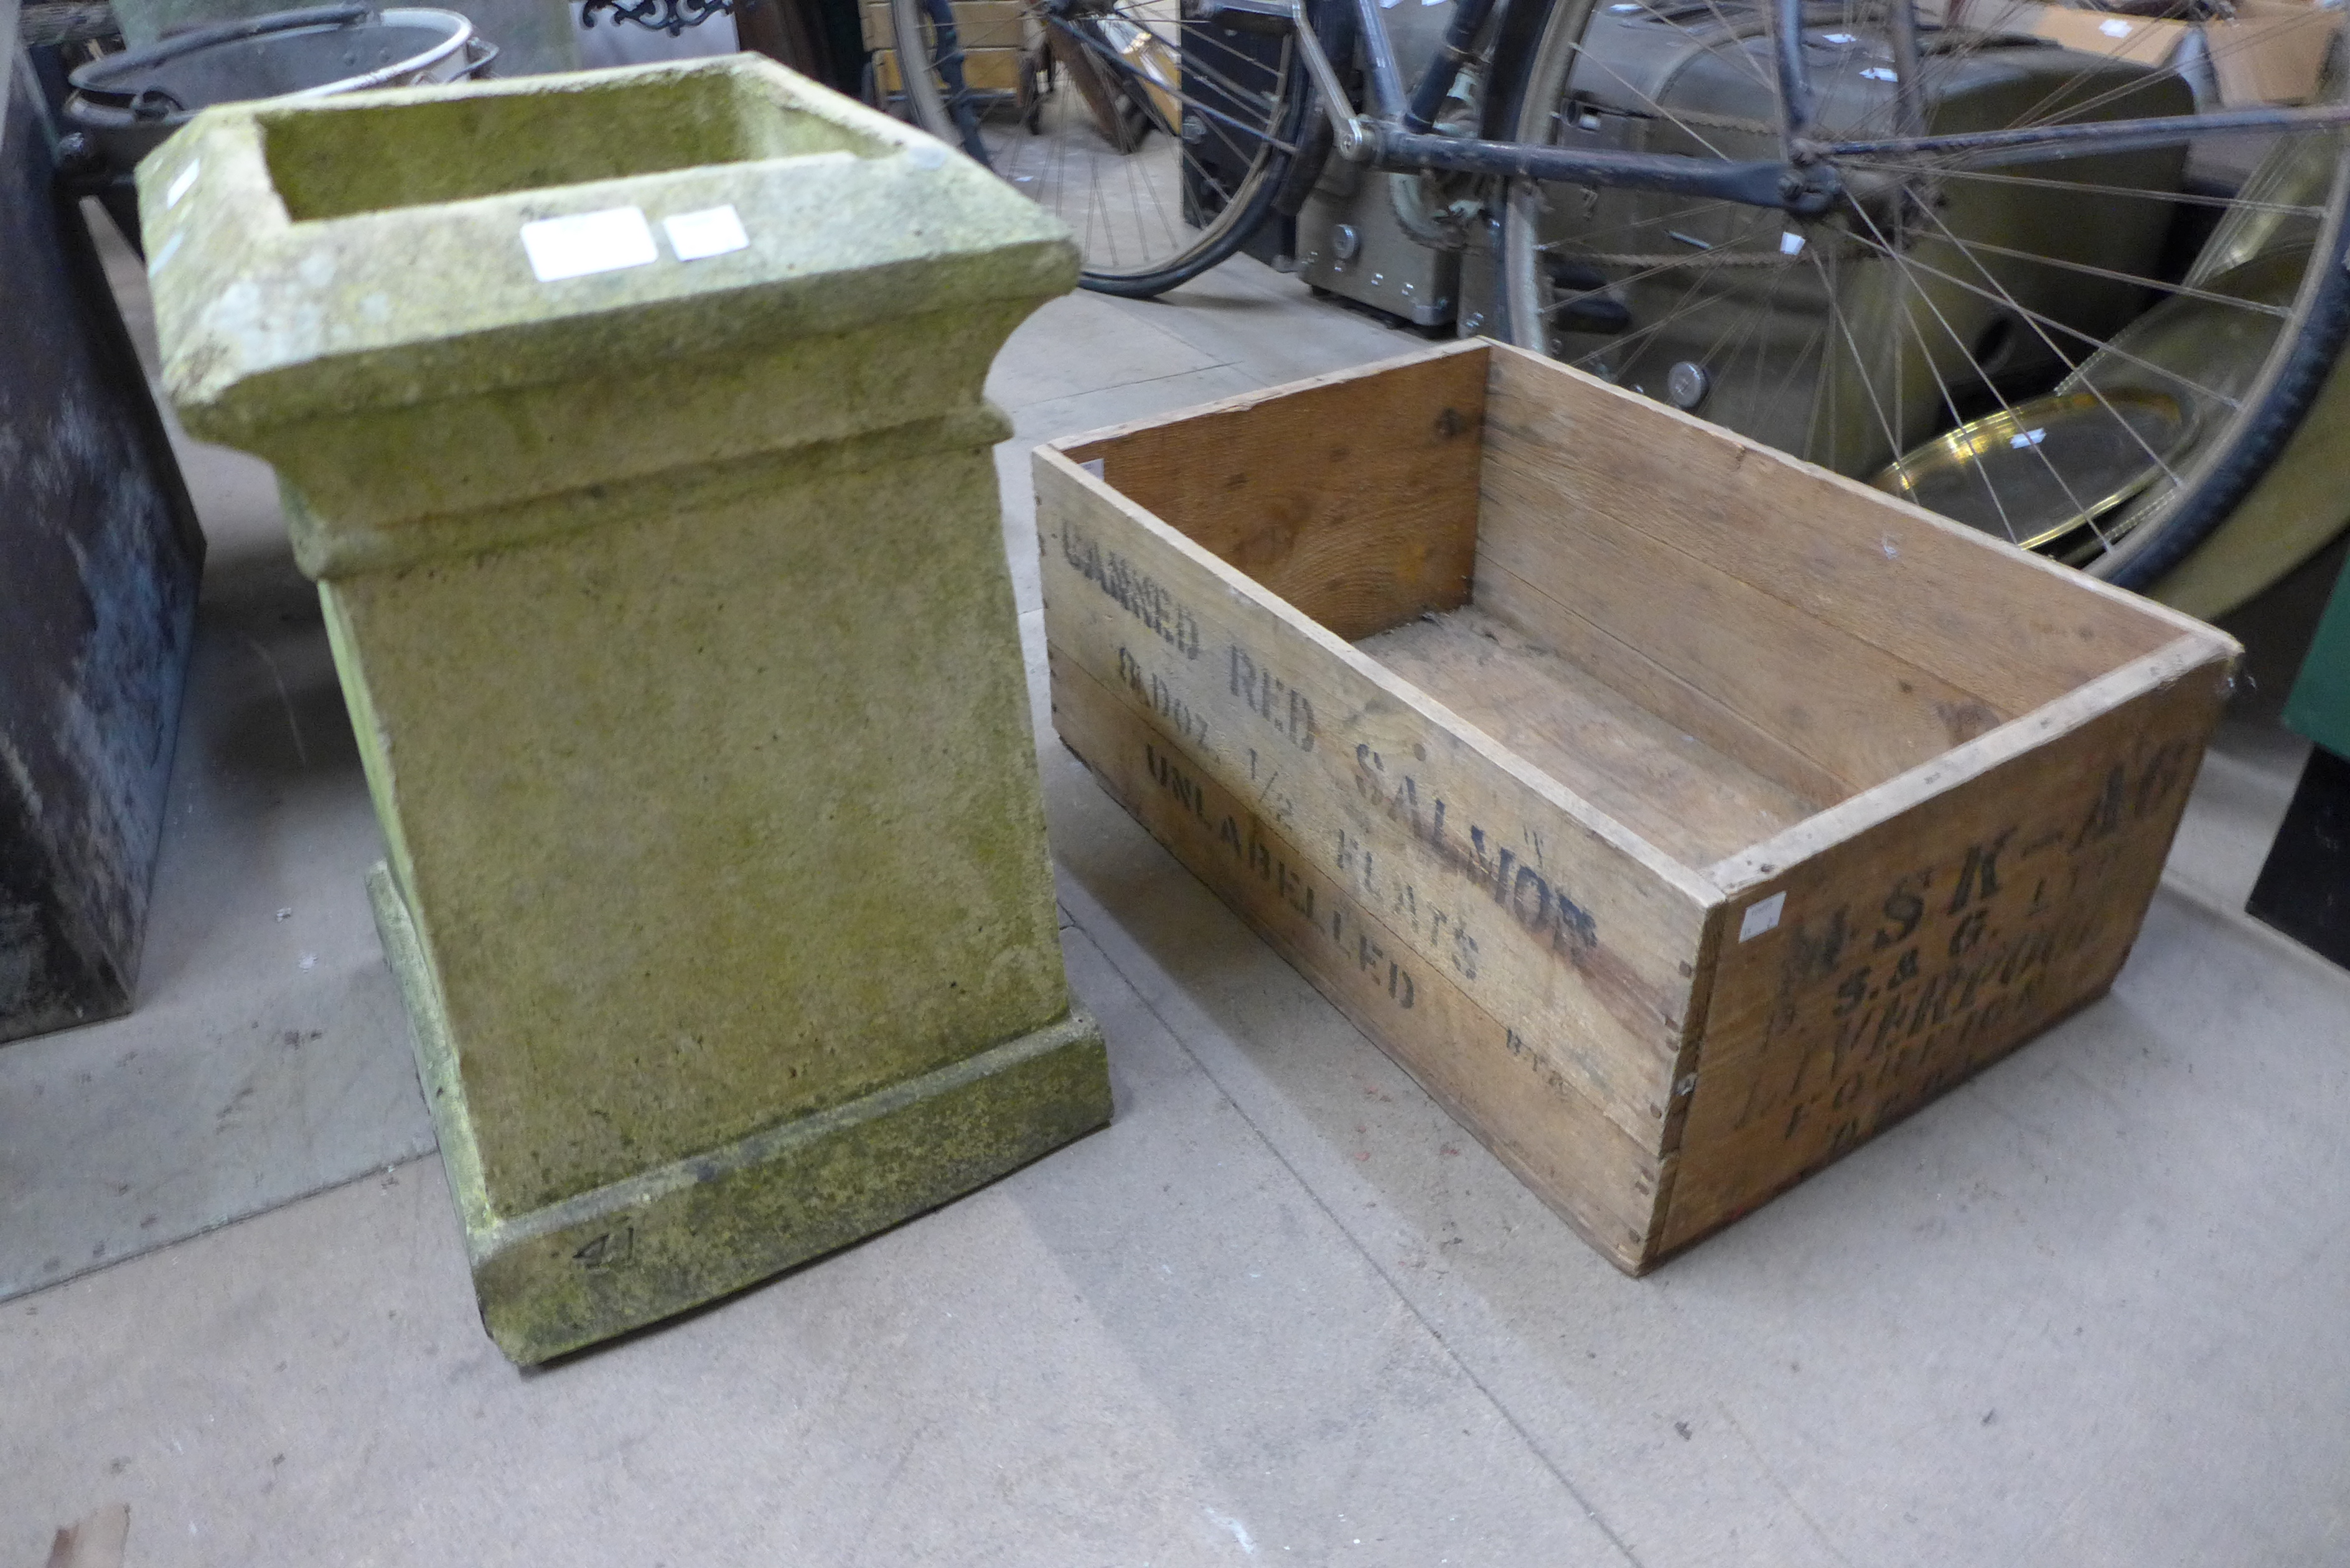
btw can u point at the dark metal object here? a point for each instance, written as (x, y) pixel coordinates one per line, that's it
(1248, 42)
(1436, 81)
(1754, 184)
(1794, 78)
(128, 103)
(1908, 92)
(97, 611)
(2304, 887)
(2028, 144)
(45, 26)
(670, 17)
(1380, 140)
(1264, 18)
(1384, 76)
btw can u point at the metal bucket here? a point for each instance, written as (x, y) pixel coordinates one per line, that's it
(127, 104)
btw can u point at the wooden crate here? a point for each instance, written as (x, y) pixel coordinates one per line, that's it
(1678, 813)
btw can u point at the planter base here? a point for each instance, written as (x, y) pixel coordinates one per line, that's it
(680, 1235)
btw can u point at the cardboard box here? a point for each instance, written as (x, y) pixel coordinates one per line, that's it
(1681, 814)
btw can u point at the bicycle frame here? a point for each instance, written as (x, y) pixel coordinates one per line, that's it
(1397, 135)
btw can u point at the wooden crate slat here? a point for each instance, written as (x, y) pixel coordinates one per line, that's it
(1915, 951)
(1358, 506)
(2015, 629)
(1694, 802)
(1858, 714)
(1527, 1110)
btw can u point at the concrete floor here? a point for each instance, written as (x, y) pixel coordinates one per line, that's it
(2088, 1309)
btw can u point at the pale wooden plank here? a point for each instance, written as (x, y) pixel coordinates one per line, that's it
(2202, 654)
(1855, 712)
(1353, 498)
(1510, 1095)
(1511, 598)
(1656, 778)
(2011, 626)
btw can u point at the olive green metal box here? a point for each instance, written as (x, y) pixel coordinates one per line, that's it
(631, 423)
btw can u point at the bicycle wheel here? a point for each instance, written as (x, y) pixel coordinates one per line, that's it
(2091, 352)
(1160, 142)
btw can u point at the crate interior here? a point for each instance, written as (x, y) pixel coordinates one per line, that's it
(1703, 640)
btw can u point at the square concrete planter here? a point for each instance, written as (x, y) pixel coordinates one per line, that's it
(631, 423)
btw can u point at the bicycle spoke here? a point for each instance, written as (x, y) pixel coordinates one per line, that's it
(2070, 331)
(2082, 187)
(1984, 377)
(2105, 402)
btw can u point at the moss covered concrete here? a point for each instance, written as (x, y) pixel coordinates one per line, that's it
(560, 1277)
(672, 609)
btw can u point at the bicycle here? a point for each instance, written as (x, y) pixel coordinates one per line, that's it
(2089, 326)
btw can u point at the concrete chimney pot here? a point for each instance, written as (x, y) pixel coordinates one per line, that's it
(631, 423)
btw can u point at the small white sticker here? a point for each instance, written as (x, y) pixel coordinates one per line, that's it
(2115, 30)
(588, 242)
(181, 182)
(1790, 243)
(1097, 467)
(712, 232)
(1840, 37)
(1761, 916)
(1881, 74)
(2029, 438)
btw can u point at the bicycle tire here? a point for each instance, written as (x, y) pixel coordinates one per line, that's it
(2223, 443)
(1097, 142)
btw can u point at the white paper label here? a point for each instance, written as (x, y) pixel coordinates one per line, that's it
(181, 182)
(1790, 243)
(1761, 916)
(588, 242)
(2115, 30)
(712, 232)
